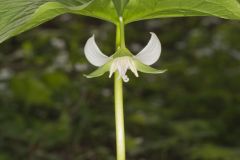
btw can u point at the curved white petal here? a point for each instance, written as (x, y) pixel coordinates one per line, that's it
(151, 53)
(93, 54)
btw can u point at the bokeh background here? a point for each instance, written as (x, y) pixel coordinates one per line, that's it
(50, 111)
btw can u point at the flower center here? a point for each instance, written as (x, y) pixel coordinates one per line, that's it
(122, 64)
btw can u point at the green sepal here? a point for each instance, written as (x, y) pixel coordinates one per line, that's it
(121, 52)
(100, 71)
(147, 69)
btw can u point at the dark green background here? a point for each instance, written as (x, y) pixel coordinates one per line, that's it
(49, 111)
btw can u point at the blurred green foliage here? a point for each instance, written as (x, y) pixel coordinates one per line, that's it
(49, 111)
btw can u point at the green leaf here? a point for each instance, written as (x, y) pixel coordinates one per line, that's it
(101, 9)
(20, 15)
(17, 16)
(149, 9)
(100, 71)
(147, 69)
(120, 5)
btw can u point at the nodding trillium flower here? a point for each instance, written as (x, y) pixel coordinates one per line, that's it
(123, 59)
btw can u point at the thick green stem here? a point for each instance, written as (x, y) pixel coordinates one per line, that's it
(118, 98)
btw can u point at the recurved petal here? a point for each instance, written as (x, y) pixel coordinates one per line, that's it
(147, 69)
(151, 53)
(93, 54)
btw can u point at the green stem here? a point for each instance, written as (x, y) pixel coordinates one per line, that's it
(122, 33)
(119, 118)
(118, 98)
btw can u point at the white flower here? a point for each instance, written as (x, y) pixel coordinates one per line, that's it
(122, 64)
(123, 59)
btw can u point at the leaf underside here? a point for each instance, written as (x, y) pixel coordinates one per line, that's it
(148, 9)
(120, 6)
(17, 16)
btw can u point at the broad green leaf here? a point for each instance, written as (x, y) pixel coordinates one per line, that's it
(149, 9)
(17, 16)
(120, 5)
(102, 9)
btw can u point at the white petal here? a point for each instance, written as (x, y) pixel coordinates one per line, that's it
(113, 68)
(94, 54)
(151, 53)
(133, 68)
